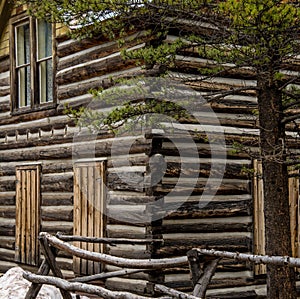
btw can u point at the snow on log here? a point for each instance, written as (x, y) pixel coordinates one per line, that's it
(115, 261)
(82, 287)
(258, 259)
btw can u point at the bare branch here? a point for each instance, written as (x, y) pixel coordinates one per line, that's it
(116, 261)
(173, 293)
(81, 287)
(259, 259)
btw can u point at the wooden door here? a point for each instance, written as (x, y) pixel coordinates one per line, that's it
(258, 213)
(27, 214)
(89, 210)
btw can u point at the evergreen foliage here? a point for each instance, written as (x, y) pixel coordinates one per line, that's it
(260, 35)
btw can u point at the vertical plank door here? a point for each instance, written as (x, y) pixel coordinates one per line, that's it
(258, 214)
(28, 214)
(89, 211)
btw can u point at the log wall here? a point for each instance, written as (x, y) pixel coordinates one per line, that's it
(47, 137)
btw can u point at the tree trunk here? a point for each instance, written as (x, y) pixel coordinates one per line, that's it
(280, 280)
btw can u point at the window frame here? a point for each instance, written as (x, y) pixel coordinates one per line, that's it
(35, 103)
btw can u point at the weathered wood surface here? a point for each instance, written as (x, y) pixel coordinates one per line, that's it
(117, 261)
(76, 286)
(202, 271)
(173, 293)
(47, 136)
(50, 255)
(35, 287)
(261, 259)
(107, 240)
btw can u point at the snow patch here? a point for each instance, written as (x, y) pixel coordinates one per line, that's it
(14, 286)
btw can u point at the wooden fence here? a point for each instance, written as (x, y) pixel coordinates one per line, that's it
(202, 263)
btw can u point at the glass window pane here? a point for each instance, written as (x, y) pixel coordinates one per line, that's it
(46, 81)
(44, 38)
(23, 44)
(24, 86)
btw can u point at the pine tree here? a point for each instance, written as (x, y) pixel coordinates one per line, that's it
(262, 35)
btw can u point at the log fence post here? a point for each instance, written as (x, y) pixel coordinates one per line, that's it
(35, 287)
(50, 255)
(202, 269)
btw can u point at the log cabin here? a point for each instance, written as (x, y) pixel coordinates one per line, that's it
(46, 185)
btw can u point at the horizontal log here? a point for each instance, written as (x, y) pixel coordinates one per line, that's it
(186, 187)
(93, 69)
(225, 266)
(130, 181)
(7, 184)
(57, 199)
(116, 261)
(93, 51)
(65, 263)
(57, 213)
(85, 149)
(123, 198)
(8, 211)
(43, 124)
(200, 139)
(125, 231)
(207, 209)
(57, 166)
(7, 198)
(228, 224)
(112, 241)
(129, 251)
(83, 55)
(185, 285)
(208, 239)
(231, 170)
(4, 64)
(72, 90)
(5, 80)
(134, 160)
(20, 143)
(204, 150)
(7, 227)
(117, 273)
(76, 286)
(135, 286)
(57, 183)
(172, 292)
(174, 249)
(7, 242)
(4, 91)
(52, 227)
(134, 215)
(7, 254)
(6, 265)
(70, 46)
(4, 107)
(15, 119)
(194, 65)
(285, 261)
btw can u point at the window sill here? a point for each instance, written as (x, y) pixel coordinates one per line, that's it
(26, 110)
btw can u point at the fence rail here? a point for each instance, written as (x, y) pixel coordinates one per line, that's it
(202, 264)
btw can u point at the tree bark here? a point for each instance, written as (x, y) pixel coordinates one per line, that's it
(280, 280)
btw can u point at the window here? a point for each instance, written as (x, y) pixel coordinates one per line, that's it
(258, 217)
(89, 210)
(32, 65)
(27, 214)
